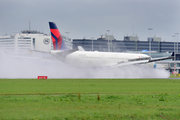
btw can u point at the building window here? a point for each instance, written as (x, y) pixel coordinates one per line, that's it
(34, 43)
(177, 56)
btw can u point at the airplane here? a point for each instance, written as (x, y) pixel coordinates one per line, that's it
(83, 58)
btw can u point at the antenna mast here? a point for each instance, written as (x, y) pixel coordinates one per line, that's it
(133, 29)
(29, 25)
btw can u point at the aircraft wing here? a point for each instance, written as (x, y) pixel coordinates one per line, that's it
(141, 61)
(159, 59)
(120, 64)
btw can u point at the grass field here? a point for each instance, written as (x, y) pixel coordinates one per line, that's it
(175, 76)
(90, 99)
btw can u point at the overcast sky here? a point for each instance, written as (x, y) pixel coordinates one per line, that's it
(91, 18)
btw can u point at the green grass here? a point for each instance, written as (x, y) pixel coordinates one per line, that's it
(78, 99)
(175, 76)
(89, 86)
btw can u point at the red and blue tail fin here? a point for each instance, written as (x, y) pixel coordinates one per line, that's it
(57, 40)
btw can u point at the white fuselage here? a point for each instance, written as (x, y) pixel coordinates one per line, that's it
(93, 59)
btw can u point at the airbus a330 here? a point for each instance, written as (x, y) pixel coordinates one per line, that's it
(93, 59)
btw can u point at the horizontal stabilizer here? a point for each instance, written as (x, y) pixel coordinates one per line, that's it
(64, 53)
(80, 48)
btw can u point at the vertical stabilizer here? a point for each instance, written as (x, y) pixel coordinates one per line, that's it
(57, 40)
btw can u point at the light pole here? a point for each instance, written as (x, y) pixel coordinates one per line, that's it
(174, 43)
(174, 54)
(177, 41)
(67, 34)
(92, 42)
(150, 41)
(108, 39)
(67, 39)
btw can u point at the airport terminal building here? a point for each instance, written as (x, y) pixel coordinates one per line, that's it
(29, 40)
(113, 45)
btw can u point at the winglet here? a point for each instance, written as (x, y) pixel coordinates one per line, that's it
(172, 54)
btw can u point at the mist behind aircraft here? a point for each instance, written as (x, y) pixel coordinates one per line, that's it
(47, 65)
